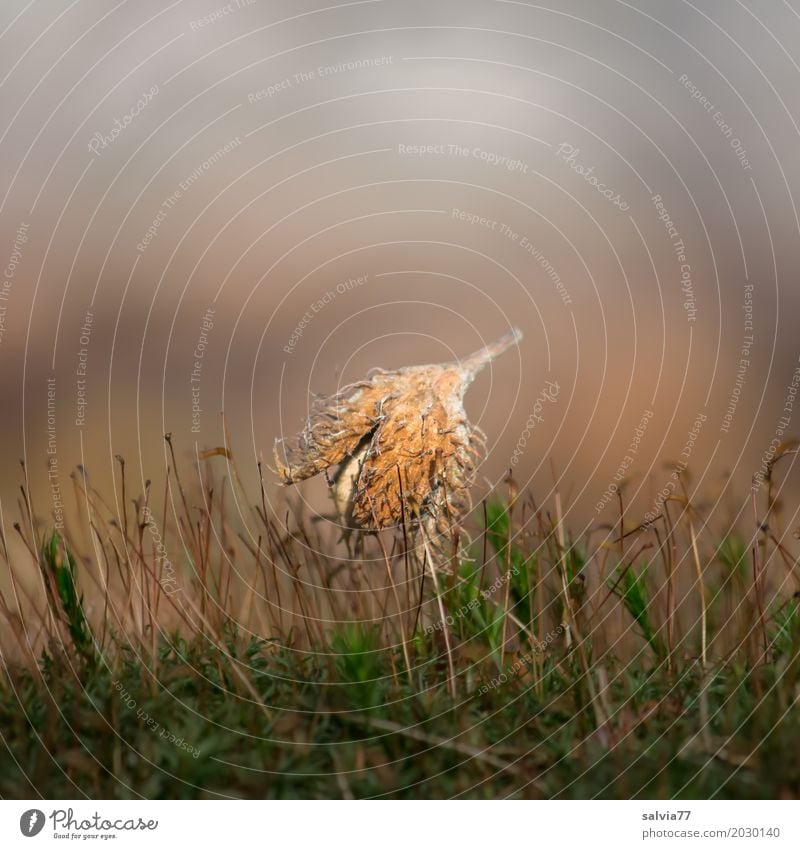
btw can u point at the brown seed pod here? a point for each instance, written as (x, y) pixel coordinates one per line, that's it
(402, 441)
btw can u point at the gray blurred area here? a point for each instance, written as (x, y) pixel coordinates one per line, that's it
(211, 206)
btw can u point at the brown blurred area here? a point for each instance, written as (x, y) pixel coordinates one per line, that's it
(331, 189)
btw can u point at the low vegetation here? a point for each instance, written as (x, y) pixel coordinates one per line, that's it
(193, 649)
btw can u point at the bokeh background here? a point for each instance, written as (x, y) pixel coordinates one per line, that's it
(300, 192)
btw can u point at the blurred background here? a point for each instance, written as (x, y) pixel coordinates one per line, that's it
(210, 206)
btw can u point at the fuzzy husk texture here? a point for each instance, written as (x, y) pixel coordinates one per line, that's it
(405, 448)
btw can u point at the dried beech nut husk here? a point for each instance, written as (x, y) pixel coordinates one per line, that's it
(405, 448)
